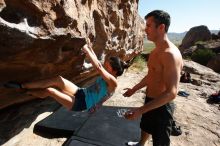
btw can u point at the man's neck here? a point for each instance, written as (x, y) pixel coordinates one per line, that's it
(162, 42)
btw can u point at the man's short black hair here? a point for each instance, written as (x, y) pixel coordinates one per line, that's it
(160, 17)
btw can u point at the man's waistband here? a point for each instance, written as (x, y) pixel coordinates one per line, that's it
(168, 106)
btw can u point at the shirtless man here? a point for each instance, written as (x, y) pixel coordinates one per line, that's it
(162, 81)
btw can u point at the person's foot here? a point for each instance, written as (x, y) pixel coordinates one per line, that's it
(132, 143)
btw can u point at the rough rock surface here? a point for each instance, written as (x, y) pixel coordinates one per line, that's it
(200, 121)
(195, 34)
(214, 63)
(213, 45)
(41, 39)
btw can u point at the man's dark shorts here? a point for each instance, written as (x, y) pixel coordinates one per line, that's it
(158, 123)
(80, 102)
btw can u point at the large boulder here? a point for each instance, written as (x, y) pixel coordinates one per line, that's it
(195, 34)
(201, 74)
(41, 39)
(215, 36)
(198, 69)
(213, 45)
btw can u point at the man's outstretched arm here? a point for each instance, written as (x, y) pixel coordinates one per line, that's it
(131, 91)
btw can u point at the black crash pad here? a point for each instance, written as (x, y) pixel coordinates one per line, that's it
(102, 128)
(61, 123)
(107, 128)
(79, 141)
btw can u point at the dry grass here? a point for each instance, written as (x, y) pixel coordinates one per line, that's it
(139, 64)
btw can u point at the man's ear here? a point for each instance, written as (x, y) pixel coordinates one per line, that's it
(162, 27)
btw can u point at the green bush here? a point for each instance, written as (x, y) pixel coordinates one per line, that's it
(148, 47)
(139, 63)
(202, 56)
(200, 43)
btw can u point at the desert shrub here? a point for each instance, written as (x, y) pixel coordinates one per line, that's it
(200, 43)
(139, 63)
(202, 56)
(148, 47)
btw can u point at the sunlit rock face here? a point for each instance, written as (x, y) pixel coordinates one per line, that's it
(41, 39)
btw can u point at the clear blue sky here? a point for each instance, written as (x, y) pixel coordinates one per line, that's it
(185, 14)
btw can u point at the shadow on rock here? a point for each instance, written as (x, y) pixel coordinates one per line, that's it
(16, 118)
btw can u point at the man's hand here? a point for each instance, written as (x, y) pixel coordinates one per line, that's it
(129, 92)
(133, 114)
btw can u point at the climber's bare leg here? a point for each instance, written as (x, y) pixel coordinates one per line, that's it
(64, 99)
(57, 82)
